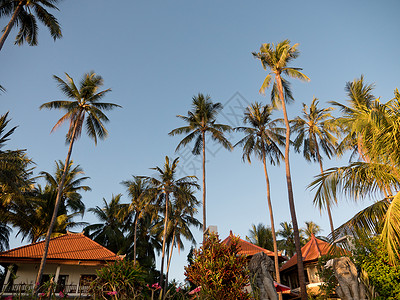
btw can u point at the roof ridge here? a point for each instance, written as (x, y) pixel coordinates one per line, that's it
(98, 244)
(316, 244)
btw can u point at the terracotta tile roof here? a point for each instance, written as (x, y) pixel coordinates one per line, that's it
(248, 249)
(70, 246)
(310, 252)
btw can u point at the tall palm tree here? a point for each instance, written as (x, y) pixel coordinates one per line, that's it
(181, 219)
(263, 139)
(110, 231)
(261, 236)
(169, 188)
(23, 13)
(315, 131)
(84, 107)
(276, 59)
(141, 198)
(201, 121)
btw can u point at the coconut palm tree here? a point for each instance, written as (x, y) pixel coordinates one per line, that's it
(182, 213)
(276, 58)
(263, 139)
(287, 242)
(360, 99)
(23, 13)
(32, 215)
(84, 107)
(168, 188)
(112, 216)
(377, 132)
(201, 121)
(15, 179)
(15, 174)
(316, 132)
(311, 229)
(71, 197)
(141, 199)
(261, 236)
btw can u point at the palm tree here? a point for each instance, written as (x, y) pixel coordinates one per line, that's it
(201, 120)
(169, 188)
(315, 131)
(110, 231)
(360, 99)
(84, 105)
(376, 131)
(262, 139)
(181, 218)
(139, 191)
(287, 242)
(261, 236)
(310, 230)
(276, 58)
(70, 196)
(15, 174)
(22, 13)
(32, 215)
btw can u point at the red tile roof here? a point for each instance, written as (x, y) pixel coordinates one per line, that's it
(70, 246)
(311, 251)
(249, 249)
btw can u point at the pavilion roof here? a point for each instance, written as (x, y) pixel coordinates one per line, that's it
(249, 249)
(311, 251)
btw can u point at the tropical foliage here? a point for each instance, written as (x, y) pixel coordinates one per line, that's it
(84, 108)
(23, 13)
(316, 133)
(276, 58)
(219, 270)
(375, 130)
(201, 121)
(123, 279)
(168, 190)
(110, 231)
(263, 139)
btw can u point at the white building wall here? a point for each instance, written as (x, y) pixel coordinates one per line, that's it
(26, 273)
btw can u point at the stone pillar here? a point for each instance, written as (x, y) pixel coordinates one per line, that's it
(9, 271)
(57, 274)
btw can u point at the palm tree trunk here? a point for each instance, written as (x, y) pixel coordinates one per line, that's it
(204, 184)
(10, 24)
(169, 263)
(300, 266)
(164, 238)
(271, 215)
(56, 206)
(328, 208)
(135, 238)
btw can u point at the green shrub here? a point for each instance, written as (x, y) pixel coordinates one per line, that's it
(121, 280)
(372, 258)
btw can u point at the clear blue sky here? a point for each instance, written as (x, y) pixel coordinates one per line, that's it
(155, 55)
